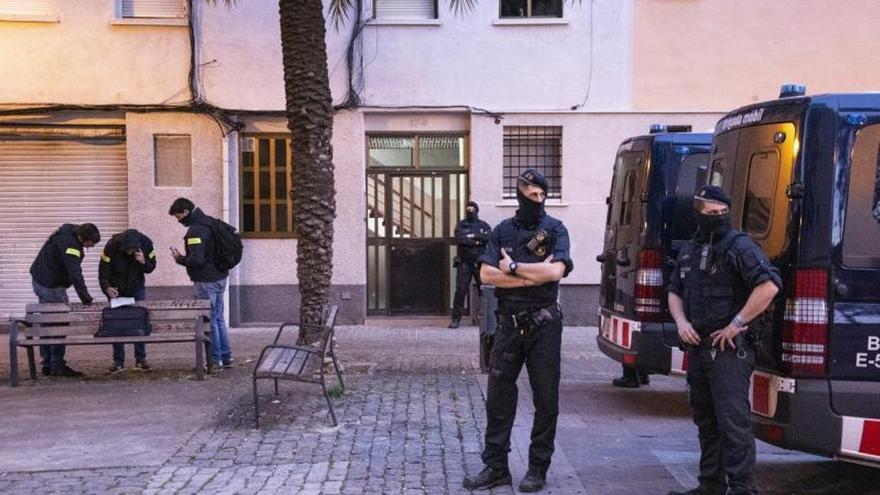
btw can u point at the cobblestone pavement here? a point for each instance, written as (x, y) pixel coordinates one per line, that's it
(411, 423)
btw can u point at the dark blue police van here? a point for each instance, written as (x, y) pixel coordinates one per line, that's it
(649, 218)
(803, 173)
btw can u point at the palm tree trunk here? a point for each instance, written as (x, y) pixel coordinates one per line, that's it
(310, 120)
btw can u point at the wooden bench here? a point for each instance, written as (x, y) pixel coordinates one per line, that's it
(298, 363)
(173, 321)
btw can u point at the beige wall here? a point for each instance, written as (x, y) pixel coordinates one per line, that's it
(721, 54)
(85, 59)
(148, 204)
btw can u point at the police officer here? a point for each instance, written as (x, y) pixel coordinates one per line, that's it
(127, 256)
(471, 234)
(525, 258)
(58, 266)
(722, 280)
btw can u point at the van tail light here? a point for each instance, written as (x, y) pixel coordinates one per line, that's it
(649, 286)
(805, 325)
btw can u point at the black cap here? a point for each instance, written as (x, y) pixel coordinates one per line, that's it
(713, 194)
(533, 177)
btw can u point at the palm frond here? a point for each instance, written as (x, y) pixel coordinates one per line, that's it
(461, 7)
(339, 10)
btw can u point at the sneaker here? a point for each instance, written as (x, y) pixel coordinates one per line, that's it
(143, 366)
(700, 490)
(626, 382)
(455, 323)
(46, 370)
(487, 478)
(67, 372)
(227, 363)
(116, 368)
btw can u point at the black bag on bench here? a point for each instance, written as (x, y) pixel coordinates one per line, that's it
(124, 321)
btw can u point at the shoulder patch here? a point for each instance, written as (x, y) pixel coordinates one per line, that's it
(193, 240)
(74, 252)
(105, 258)
(152, 254)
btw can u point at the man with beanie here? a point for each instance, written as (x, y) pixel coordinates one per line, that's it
(209, 280)
(471, 234)
(58, 266)
(126, 258)
(722, 281)
(525, 259)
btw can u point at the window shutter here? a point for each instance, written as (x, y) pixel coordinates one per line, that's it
(27, 7)
(406, 9)
(175, 9)
(173, 156)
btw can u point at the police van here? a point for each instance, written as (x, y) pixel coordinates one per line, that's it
(649, 218)
(802, 173)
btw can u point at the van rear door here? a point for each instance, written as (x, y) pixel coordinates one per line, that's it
(622, 228)
(854, 342)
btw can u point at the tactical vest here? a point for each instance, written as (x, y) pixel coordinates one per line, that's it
(714, 292)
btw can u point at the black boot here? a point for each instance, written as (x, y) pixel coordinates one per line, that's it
(629, 379)
(487, 478)
(456, 321)
(700, 490)
(644, 379)
(532, 482)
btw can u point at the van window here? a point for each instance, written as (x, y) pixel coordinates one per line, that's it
(861, 231)
(760, 189)
(628, 199)
(691, 176)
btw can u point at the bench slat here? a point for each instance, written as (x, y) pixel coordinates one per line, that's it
(151, 304)
(187, 326)
(286, 362)
(94, 317)
(270, 360)
(88, 340)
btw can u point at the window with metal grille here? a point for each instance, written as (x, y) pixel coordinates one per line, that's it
(512, 9)
(159, 9)
(537, 147)
(405, 9)
(266, 206)
(173, 161)
(416, 151)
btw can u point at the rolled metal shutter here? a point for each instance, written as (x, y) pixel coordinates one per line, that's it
(174, 9)
(406, 9)
(48, 182)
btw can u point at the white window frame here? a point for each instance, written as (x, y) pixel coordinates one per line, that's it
(49, 14)
(179, 20)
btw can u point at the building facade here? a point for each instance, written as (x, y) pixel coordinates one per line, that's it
(110, 109)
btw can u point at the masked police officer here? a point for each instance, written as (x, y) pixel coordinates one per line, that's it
(722, 281)
(525, 258)
(471, 234)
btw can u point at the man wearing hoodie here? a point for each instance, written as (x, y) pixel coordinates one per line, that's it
(58, 266)
(209, 280)
(126, 258)
(471, 234)
(525, 259)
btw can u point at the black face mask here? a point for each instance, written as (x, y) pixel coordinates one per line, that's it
(712, 226)
(470, 215)
(529, 212)
(185, 220)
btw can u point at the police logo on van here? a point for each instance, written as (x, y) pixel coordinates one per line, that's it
(739, 120)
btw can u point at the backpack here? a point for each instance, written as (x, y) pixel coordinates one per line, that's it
(124, 321)
(227, 244)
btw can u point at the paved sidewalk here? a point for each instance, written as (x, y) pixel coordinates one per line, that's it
(411, 422)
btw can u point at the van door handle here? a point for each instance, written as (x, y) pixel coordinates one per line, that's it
(841, 288)
(602, 258)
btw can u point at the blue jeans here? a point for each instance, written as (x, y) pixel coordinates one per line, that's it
(140, 349)
(53, 355)
(219, 337)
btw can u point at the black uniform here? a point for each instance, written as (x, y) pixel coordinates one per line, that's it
(714, 278)
(471, 234)
(120, 270)
(529, 331)
(199, 258)
(59, 263)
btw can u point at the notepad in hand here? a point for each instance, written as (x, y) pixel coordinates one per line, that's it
(121, 301)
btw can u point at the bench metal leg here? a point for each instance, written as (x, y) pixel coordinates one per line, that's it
(338, 373)
(257, 405)
(276, 386)
(327, 396)
(13, 355)
(208, 356)
(200, 358)
(32, 366)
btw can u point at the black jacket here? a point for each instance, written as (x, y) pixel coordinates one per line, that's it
(471, 237)
(118, 269)
(59, 262)
(199, 243)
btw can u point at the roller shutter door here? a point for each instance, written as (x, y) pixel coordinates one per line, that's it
(45, 183)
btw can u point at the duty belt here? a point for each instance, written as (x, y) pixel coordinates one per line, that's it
(527, 319)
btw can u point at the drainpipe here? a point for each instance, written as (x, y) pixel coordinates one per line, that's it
(230, 214)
